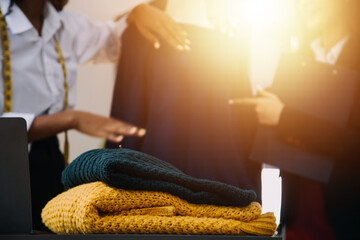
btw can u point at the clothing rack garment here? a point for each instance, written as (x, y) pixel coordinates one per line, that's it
(181, 98)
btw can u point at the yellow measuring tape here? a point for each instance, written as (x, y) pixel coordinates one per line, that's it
(6, 64)
(5, 44)
(66, 96)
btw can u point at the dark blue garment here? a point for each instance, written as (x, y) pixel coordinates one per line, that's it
(132, 170)
(181, 98)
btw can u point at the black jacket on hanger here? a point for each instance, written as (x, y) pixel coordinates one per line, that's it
(181, 98)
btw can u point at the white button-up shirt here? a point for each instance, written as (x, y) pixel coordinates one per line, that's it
(332, 55)
(37, 77)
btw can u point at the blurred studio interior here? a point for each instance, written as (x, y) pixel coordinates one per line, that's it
(215, 117)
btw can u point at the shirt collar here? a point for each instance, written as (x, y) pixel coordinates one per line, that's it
(334, 53)
(4, 6)
(18, 23)
(52, 21)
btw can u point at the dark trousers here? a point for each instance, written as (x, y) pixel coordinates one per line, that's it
(46, 165)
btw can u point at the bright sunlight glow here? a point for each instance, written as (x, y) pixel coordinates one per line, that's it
(262, 15)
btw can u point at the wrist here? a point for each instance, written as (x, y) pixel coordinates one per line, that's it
(71, 117)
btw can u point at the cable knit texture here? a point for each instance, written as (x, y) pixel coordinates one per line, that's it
(132, 170)
(99, 208)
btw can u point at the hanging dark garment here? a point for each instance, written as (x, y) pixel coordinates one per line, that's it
(181, 98)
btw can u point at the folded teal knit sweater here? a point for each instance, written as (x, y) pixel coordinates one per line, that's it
(132, 170)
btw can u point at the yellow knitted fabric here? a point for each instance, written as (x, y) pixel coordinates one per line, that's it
(98, 208)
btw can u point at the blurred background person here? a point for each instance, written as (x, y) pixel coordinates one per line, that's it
(312, 210)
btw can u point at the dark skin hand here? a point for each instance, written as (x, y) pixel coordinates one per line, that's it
(156, 25)
(150, 21)
(87, 123)
(267, 105)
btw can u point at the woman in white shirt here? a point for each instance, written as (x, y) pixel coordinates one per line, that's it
(41, 48)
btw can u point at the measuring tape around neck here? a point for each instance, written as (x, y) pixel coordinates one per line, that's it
(5, 45)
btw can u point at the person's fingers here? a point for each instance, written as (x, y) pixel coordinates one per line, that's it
(118, 136)
(149, 36)
(114, 138)
(126, 129)
(156, 45)
(141, 132)
(244, 101)
(178, 37)
(178, 33)
(129, 130)
(181, 31)
(264, 93)
(164, 33)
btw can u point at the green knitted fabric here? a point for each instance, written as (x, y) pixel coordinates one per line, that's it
(132, 170)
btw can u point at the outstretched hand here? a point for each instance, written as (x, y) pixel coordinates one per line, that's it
(94, 125)
(103, 127)
(153, 23)
(267, 105)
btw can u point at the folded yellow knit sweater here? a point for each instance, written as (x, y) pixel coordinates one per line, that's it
(98, 208)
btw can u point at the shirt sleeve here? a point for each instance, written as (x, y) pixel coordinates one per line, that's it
(29, 118)
(94, 41)
(319, 136)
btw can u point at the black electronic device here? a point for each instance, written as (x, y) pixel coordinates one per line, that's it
(15, 194)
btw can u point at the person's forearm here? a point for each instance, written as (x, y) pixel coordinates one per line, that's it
(84, 122)
(49, 125)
